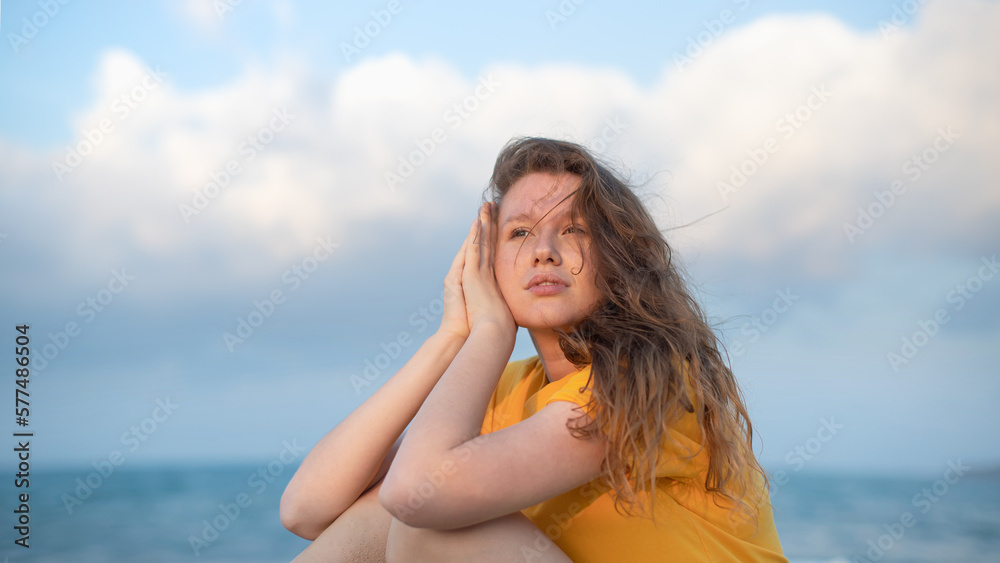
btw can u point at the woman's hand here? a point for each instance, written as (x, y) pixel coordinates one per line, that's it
(455, 318)
(483, 301)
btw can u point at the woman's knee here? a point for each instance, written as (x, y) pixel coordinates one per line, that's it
(406, 543)
(359, 534)
(507, 538)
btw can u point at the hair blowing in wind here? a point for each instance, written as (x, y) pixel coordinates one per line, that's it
(641, 338)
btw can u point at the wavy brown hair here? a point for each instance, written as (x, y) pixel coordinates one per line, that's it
(641, 338)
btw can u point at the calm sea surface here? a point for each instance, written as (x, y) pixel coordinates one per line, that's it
(174, 514)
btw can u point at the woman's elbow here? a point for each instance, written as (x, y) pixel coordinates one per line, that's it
(392, 498)
(294, 519)
(406, 503)
(419, 504)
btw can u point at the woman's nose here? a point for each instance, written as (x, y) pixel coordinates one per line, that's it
(546, 248)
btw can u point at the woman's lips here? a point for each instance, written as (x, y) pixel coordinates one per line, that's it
(547, 288)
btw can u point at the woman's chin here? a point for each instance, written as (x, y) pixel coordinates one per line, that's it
(547, 323)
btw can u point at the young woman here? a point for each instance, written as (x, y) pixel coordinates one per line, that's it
(624, 439)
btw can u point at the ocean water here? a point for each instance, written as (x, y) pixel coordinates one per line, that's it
(174, 514)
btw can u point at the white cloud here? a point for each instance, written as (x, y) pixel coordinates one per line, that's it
(201, 13)
(284, 13)
(889, 99)
(324, 173)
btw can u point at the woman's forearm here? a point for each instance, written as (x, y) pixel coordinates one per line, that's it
(453, 412)
(341, 465)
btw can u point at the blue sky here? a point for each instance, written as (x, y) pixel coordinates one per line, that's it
(786, 119)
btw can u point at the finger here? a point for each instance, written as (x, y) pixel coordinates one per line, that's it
(486, 227)
(482, 237)
(458, 263)
(474, 231)
(453, 287)
(494, 232)
(486, 236)
(472, 250)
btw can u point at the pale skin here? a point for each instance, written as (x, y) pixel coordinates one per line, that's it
(445, 493)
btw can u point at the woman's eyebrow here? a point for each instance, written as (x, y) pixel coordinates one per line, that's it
(525, 216)
(517, 217)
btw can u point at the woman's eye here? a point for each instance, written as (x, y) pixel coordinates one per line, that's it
(516, 233)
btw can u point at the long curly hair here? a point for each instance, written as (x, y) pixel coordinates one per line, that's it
(641, 340)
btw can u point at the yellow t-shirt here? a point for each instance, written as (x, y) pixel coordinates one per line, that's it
(583, 522)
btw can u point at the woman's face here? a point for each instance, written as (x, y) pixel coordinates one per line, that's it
(549, 251)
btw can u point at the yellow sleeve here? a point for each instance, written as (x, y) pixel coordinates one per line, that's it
(507, 402)
(678, 459)
(573, 388)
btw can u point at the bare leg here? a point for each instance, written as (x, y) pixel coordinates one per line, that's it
(507, 539)
(357, 536)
